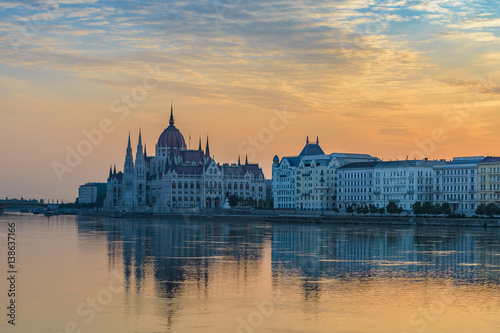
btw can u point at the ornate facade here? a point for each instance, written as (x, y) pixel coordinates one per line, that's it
(178, 177)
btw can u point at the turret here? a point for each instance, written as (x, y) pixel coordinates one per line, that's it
(207, 150)
(129, 161)
(139, 157)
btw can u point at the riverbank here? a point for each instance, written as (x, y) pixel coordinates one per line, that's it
(303, 217)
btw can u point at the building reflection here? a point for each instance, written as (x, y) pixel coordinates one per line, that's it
(347, 252)
(169, 260)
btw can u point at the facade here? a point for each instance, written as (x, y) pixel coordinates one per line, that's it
(89, 192)
(177, 177)
(489, 180)
(355, 184)
(456, 183)
(404, 182)
(309, 181)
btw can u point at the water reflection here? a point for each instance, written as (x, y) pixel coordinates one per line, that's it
(205, 276)
(348, 252)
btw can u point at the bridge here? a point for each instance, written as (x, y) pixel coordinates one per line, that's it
(5, 204)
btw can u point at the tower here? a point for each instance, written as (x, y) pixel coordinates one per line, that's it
(140, 174)
(207, 151)
(129, 160)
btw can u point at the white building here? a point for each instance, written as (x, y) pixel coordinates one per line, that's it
(355, 184)
(309, 181)
(456, 183)
(89, 192)
(404, 182)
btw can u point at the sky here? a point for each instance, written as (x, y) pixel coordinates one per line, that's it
(387, 78)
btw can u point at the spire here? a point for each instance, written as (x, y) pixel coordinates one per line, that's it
(129, 160)
(171, 113)
(246, 159)
(114, 170)
(145, 152)
(307, 140)
(139, 144)
(110, 171)
(199, 146)
(317, 140)
(207, 150)
(239, 162)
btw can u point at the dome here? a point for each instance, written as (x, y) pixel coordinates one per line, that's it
(171, 136)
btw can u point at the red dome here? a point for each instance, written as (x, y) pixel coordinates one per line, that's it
(171, 138)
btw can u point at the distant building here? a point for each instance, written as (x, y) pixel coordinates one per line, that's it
(89, 192)
(404, 182)
(355, 184)
(309, 181)
(178, 177)
(489, 180)
(456, 183)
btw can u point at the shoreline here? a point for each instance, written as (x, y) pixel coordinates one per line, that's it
(275, 217)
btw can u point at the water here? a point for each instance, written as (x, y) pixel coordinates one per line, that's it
(107, 275)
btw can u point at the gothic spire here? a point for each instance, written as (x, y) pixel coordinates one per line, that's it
(129, 146)
(139, 144)
(199, 146)
(317, 140)
(307, 140)
(239, 162)
(207, 150)
(246, 159)
(114, 170)
(128, 166)
(171, 113)
(110, 171)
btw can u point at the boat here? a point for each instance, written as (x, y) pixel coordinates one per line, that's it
(48, 213)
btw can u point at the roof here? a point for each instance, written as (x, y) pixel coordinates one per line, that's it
(360, 165)
(193, 155)
(293, 161)
(311, 149)
(491, 159)
(408, 163)
(241, 170)
(463, 161)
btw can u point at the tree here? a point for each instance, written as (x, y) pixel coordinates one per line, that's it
(359, 209)
(491, 209)
(446, 208)
(349, 210)
(392, 208)
(261, 203)
(381, 210)
(373, 209)
(365, 210)
(427, 208)
(233, 200)
(481, 209)
(437, 209)
(417, 208)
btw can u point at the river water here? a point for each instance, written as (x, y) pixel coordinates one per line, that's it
(78, 274)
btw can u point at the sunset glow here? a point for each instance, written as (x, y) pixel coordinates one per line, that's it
(386, 78)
